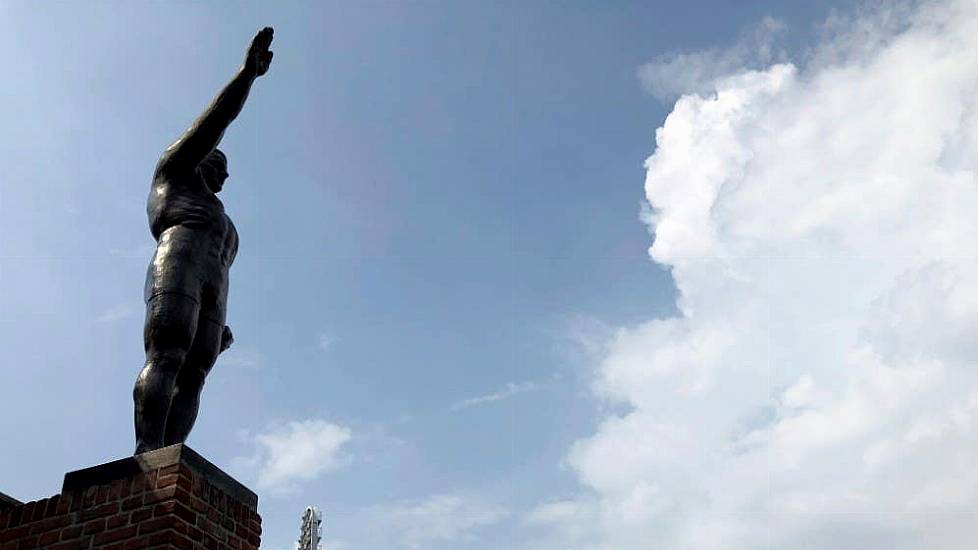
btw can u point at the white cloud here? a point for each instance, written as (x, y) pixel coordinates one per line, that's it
(670, 75)
(447, 518)
(818, 387)
(506, 392)
(295, 452)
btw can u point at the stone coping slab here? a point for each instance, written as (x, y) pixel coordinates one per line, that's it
(174, 454)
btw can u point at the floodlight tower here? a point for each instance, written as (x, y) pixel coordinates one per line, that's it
(311, 531)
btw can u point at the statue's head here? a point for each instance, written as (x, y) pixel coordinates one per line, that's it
(214, 170)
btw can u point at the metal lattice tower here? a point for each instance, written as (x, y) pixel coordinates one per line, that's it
(311, 531)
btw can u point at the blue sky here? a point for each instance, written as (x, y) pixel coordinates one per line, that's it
(445, 312)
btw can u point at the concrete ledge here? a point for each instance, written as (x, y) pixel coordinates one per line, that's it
(129, 467)
(8, 502)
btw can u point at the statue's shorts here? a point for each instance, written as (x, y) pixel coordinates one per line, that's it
(188, 262)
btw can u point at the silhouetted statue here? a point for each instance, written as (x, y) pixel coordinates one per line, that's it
(187, 281)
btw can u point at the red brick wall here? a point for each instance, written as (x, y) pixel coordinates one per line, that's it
(170, 507)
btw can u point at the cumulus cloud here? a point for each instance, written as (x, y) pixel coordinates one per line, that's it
(295, 452)
(443, 518)
(819, 386)
(673, 74)
(506, 392)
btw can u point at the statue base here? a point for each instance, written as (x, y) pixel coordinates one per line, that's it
(171, 498)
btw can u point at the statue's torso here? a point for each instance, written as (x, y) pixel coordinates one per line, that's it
(196, 241)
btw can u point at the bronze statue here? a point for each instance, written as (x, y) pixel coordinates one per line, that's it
(187, 280)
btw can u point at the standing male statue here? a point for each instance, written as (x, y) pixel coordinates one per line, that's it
(187, 281)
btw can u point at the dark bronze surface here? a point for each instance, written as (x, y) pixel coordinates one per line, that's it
(187, 280)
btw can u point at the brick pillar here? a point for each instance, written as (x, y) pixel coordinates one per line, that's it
(171, 498)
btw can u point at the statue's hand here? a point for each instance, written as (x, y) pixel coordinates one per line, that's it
(226, 339)
(259, 57)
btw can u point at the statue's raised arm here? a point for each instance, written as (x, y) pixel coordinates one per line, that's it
(205, 133)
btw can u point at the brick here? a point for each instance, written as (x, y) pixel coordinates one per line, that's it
(217, 498)
(162, 537)
(50, 524)
(254, 527)
(183, 544)
(195, 534)
(151, 479)
(214, 514)
(88, 498)
(115, 490)
(71, 532)
(198, 505)
(117, 520)
(51, 509)
(27, 543)
(48, 538)
(114, 535)
(166, 481)
(185, 483)
(77, 500)
(26, 511)
(15, 514)
(164, 508)
(212, 529)
(185, 471)
(198, 486)
(138, 483)
(82, 544)
(39, 508)
(14, 533)
(140, 515)
(64, 504)
(155, 524)
(102, 495)
(157, 495)
(184, 513)
(94, 526)
(137, 543)
(132, 502)
(98, 511)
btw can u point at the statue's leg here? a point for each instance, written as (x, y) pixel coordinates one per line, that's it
(190, 381)
(171, 322)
